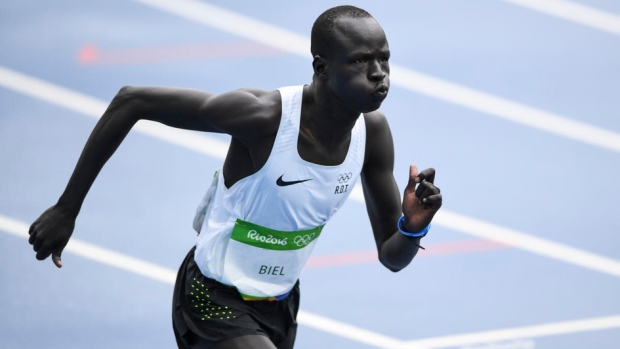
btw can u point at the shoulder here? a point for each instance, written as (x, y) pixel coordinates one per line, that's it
(255, 112)
(377, 127)
(249, 101)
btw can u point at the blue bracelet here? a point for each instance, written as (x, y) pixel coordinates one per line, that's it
(420, 234)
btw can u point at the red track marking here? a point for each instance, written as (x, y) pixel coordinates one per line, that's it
(88, 54)
(92, 55)
(437, 249)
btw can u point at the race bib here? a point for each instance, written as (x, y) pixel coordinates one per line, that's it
(266, 263)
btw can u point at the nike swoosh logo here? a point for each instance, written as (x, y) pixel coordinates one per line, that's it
(283, 183)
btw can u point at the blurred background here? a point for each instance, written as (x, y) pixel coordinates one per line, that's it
(515, 104)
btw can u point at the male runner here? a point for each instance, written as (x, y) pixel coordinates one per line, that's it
(294, 157)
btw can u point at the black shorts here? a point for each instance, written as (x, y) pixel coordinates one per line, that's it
(206, 311)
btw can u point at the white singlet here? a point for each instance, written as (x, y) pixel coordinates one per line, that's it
(258, 234)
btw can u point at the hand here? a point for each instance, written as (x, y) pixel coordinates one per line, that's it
(50, 233)
(420, 204)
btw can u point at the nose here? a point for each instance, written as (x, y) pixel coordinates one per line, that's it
(376, 72)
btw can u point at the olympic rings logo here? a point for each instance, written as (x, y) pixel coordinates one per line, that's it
(303, 240)
(344, 177)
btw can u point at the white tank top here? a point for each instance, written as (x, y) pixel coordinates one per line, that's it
(258, 234)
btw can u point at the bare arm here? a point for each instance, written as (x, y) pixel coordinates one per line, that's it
(383, 201)
(176, 107)
(182, 108)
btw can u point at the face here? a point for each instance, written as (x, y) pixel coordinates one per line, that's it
(357, 69)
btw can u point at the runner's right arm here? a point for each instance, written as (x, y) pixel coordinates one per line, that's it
(176, 107)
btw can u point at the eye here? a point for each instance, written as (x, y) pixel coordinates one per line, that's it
(360, 60)
(384, 59)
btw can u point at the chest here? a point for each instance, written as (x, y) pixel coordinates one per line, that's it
(322, 153)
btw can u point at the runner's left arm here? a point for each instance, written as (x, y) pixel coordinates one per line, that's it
(421, 198)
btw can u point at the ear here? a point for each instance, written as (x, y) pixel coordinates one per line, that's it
(319, 64)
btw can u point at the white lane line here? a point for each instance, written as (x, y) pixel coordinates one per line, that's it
(93, 107)
(51, 93)
(98, 254)
(235, 23)
(486, 230)
(409, 79)
(162, 274)
(353, 333)
(506, 109)
(212, 147)
(168, 276)
(574, 12)
(544, 330)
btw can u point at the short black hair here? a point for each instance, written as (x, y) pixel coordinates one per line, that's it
(320, 37)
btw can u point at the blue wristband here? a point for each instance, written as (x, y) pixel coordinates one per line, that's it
(420, 234)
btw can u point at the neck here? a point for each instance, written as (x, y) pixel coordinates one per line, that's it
(325, 118)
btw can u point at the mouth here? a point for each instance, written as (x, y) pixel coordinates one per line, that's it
(381, 92)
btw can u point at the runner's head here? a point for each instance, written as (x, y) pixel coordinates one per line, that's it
(351, 56)
(321, 35)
